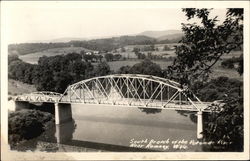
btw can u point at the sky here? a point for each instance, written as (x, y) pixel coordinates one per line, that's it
(48, 21)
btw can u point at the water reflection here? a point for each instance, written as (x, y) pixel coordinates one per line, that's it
(64, 132)
(97, 128)
(191, 114)
(150, 110)
(66, 142)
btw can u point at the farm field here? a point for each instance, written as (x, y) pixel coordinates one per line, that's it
(217, 69)
(130, 54)
(34, 57)
(115, 65)
(232, 54)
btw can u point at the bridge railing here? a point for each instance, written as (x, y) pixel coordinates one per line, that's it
(133, 90)
(41, 96)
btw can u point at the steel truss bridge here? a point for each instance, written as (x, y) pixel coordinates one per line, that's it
(134, 90)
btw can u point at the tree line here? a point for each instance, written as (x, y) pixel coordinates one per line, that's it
(55, 73)
(104, 45)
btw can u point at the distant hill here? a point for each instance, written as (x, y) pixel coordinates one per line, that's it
(170, 36)
(67, 39)
(104, 44)
(100, 44)
(158, 34)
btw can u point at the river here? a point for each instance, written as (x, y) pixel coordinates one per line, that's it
(111, 128)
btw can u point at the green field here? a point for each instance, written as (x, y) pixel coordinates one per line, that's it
(115, 65)
(130, 54)
(217, 70)
(34, 57)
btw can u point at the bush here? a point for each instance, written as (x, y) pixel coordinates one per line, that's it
(146, 67)
(27, 124)
(217, 88)
(226, 126)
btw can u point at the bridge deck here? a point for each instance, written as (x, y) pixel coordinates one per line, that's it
(156, 104)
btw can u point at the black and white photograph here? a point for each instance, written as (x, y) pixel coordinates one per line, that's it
(124, 80)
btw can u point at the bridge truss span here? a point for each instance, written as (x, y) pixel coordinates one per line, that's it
(133, 90)
(41, 96)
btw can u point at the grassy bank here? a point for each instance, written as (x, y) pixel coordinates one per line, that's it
(17, 87)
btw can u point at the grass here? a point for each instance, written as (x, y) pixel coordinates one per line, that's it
(130, 54)
(232, 54)
(217, 70)
(34, 57)
(17, 87)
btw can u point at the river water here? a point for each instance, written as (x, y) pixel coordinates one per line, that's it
(111, 128)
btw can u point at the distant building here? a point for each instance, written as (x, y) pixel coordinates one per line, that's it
(96, 52)
(88, 53)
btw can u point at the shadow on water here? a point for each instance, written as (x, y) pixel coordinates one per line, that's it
(191, 114)
(64, 137)
(150, 110)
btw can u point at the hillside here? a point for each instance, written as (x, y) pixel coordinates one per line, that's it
(157, 34)
(34, 57)
(105, 44)
(17, 87)
(100, 44)
(170, 37)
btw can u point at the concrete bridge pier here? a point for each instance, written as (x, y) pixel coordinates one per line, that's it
(63, 112)
(19, 105)
(199, 125)
(64, 132)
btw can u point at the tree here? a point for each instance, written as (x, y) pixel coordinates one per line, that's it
(123, 49)
(146, 67)
(12, 58)
(117, 56)
(166, 48)
(203, 45)
(227, 126)
(152, 47)
(124, 70)
(136, 50)
(201, 48)
(140, 55)
(57, 72)
(21, 71)
(101, 69)
(215, 90)
(109, 57)
(27, 124)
